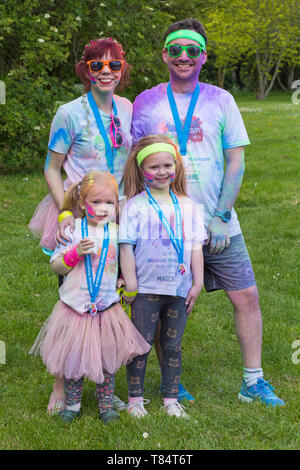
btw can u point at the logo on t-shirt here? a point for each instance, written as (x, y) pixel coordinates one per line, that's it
(195, 134)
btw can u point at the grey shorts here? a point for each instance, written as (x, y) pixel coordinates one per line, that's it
(230, 270)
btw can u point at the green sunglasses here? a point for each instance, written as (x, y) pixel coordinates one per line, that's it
(175, 50)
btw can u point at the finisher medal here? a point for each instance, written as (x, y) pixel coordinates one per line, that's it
(93, 309)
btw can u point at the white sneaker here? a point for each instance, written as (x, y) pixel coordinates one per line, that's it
(175, 409)
(137, 409)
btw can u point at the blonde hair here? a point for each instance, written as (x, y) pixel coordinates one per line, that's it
(134, 182)
(76, 193)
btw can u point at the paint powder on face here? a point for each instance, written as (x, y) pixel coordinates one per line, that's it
(148, 177)
(89, 210)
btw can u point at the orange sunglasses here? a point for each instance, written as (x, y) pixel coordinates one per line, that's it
(96, 65)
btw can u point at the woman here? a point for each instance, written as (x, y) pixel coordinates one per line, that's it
(89, 133)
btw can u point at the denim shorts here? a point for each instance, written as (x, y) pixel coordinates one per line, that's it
(230, 270)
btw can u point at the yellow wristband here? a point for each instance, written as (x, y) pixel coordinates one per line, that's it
(64, 215)
(130, 294)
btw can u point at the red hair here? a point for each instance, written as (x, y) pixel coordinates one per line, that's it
(96, 49)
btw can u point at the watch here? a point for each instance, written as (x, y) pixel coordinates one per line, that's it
(224, 215)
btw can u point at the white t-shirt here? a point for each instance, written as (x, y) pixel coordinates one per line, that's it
(74, 132)
(157, 265)
(74, 291)
(216, 125)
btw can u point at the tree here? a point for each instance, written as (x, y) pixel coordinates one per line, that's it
(264, 30)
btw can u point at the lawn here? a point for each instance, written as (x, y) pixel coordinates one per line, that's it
(268, 209)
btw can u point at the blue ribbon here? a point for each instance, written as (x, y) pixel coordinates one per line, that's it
(110, 152)
(94, 287)
(176, 242)
(183, 132)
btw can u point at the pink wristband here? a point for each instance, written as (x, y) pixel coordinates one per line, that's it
(71, 258)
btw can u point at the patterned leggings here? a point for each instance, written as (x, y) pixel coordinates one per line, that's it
(104, 392)
(145, 313)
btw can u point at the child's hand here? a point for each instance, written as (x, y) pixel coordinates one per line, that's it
(192, 297)
(84, 246)
(120, 283)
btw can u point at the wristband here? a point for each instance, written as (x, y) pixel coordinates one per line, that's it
(71, 258)
(129, 294)
(64, 215)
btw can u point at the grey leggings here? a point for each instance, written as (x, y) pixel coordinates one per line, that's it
(145, 313)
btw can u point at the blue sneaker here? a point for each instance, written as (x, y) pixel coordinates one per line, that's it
(183, 394)
(262, 391)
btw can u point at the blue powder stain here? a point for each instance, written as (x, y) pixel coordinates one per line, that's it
(47, 162)
(60, 134)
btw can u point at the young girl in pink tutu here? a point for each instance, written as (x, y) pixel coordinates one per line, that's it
(88, 333)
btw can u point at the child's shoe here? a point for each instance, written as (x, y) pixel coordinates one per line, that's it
(261, 391)
(183, 394)
(119, 404)
(137, 409)
(109, 415)
(55, 406)
(67, 416)
(175, 409)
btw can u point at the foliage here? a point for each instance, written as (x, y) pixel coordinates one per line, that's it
(41, 41)
(262, 33)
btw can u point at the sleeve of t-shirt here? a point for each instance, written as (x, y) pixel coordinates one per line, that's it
(234, 131)
(62, 249)
(129, 224)
(137, 130)
(61, 132)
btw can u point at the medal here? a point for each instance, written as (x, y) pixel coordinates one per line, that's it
(182, 269)
(94, 286)
(93, 309)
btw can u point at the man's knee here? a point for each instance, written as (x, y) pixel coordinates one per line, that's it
(245, 300)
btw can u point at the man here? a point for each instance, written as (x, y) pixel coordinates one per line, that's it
(205, 121)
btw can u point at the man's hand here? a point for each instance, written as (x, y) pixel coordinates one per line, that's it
(60, 236)
(192, 297)
(218, 236)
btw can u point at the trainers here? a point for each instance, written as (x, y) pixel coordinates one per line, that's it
(137, 409)
(183, 394)
(175, 409)
(109, 415)
(119, 405)
(261, 391)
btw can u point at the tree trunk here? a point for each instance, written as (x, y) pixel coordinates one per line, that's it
(221, 77)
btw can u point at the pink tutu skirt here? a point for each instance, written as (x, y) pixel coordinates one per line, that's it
(74, 345)
(44, 222)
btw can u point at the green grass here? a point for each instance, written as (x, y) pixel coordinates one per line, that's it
(268, 209)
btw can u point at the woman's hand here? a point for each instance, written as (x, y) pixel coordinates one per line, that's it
(60, 236)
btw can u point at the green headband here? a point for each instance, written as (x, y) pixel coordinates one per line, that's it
(154, 148)
(186, 34)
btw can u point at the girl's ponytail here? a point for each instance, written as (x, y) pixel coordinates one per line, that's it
(71, 197)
